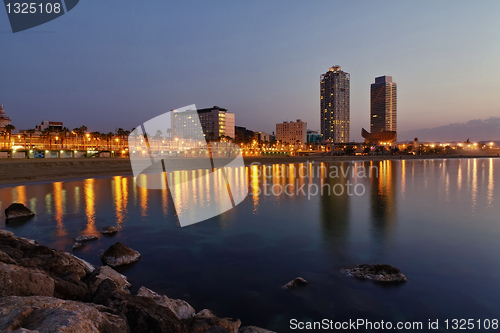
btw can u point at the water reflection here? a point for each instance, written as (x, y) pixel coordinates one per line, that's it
(89, 193)
(383, 197)
(60, 203)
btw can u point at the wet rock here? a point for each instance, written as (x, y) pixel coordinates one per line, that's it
(109, 230)
(48, 314)
(17, 210)
(81, 239)
(295, 283)
(20, 281)
(120, 254)
(105, 272)
(205, 320)
(143, 314)
(77, 246)
(179, 307)
(380, 273)
(253, 329)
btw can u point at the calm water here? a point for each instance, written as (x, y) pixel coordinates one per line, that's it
(436, 220)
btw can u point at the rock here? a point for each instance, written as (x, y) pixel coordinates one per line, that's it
(380, 273)
(295, 283)
(109, 230)
(205, 320)
(20, 281)
(105, 272)
(143, 314)
(69, 286)
(17, 210)
(28, 254)
(81, 239)
(253, 329)
(6, 233)
(120, 254)
(5, 258)
(179, 307)
(48, 314)
(77, 246)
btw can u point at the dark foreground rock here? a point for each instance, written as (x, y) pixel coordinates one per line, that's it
(48, 314)
(109, 230)
(179, 307)
(295, 283)
(380, 273)
(205, 320)
(142, 313)
(18, 211)
(120, 254)
(20, 281)
(105, 272)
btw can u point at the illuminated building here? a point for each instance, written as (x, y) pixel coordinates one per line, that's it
(383, 105)
(335, 105)
(291, 132)
(4, 120)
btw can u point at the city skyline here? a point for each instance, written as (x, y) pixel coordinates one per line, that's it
(86, 64)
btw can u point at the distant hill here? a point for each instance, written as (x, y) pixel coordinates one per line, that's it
(475, 130)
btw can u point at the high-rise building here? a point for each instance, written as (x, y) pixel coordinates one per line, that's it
(335, 105)
(291, 132)
(383, 106)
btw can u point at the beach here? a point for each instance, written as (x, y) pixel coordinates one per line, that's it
(18, 171)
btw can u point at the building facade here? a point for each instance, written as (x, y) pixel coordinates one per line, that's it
(291, 132)
(217, 122)
(314, 136)
(383, 105)
(4, 120)
(52, 125)
(335, 105)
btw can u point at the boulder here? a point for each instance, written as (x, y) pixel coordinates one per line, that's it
(179, 307)
(295, 283)
(120, 254)
(105, 272)
(69, 286)
(17, 210)
(20, 281)
(143, 314)
(380, 273)
(6, 233)
(109, 230)
(48, 314)
(253, 329)
(28, 254)
(205, 320)
(81, 239)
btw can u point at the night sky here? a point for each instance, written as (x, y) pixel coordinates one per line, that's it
(110, 64)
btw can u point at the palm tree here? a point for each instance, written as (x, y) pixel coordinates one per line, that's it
(64, 135)
(25, 136)
(30, 132)
(96, 136)
(47, 135)
(9, 128)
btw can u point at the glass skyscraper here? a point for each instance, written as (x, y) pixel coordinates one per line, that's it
(383, 105)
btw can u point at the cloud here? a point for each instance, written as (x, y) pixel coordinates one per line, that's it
(475, 130)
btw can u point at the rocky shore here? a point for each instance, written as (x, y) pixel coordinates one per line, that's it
(45, 290)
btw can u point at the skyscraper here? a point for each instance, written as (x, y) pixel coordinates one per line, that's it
(383, 106)
(335, 106)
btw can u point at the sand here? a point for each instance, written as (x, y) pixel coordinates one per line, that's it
(19, 171)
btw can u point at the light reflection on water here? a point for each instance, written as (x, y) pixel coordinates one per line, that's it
(437, 220)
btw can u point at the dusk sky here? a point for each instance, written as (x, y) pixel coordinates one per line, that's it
(110, 64)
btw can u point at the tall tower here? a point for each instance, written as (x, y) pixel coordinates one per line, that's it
(383, 106)
(4, 120)
(335, 105)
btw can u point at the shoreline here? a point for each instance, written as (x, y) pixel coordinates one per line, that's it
(23, 171)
